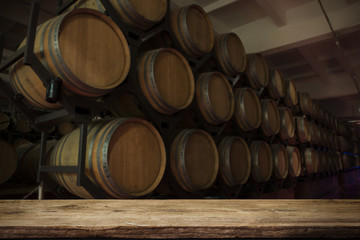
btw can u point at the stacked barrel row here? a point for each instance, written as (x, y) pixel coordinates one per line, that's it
(127, 156)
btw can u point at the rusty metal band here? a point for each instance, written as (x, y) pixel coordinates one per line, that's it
(150, 82)
(180, 157)
(205, 98)
(186, 36)
(129, 11)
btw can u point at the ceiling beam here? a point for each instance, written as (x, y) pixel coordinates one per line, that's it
(319, 67)
(274, 10)
(217, 4)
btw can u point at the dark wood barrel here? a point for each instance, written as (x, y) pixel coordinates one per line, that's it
(193, 30)
(247, 109)
(305, 103)
(311, 160)
(137, 13)
(302, 129)
(125, 157)
(166, 80)
(8, 161)
(194, 159)
(280, 161)
(214, 97)
(235, 160)
(62, 43)
(276, 86)
(290, 97)
(4, 121)
(257, 71)
(270, 121)
(28, 160)
(261, 161)
(64, 128)
(314, 133)
(294, 161)
(287, 123)
(230, 53)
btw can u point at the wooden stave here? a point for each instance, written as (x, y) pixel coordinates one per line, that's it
(96, 169)
(265, 121)
(47, 48)
(275, 91)
(204, 100)
(255, 168)
(305, 103)
(222, 55)
(291, 150)
(291, 95)
(240, 113)
(311, 160)
(180, 29)
(284, 133)
(275, 148)
(302, 129)
(177, 160)
(224, 157)
(251, 72)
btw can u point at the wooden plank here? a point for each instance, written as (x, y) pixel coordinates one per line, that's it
(179, 218)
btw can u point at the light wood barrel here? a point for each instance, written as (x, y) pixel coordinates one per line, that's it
(214, 97)
(125, 157)
(270, 123)
(294, 161)
(290, 97)
(247, 109)
(287, 123)
(257, 71)
(4, 121)
(311, 160)
(194, 160)
(261, 161)
(193, 30)
(28, 160)
(137, 13)
(305, 103)
(280, 161)
(8, 161)
(64, 128)
(314, 133)
(230, 53)
(276, 86)
(235, 160)
(62, 44)
(302, 129)
(166, 80)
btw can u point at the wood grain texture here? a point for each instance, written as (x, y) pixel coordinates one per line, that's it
(180, 218)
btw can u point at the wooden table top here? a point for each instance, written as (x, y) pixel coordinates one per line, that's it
(179, 218)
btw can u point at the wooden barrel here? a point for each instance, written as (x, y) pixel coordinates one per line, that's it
(323, 163)
(280, 161)
(230, 53)
(214, 97)
(125, 157)
(62, 44)
(247, 109)
(194, 159)
(294, 161)
(23, 125)
(337, 159)
(311, 160)
(8, 161)
(166, 80)
(193, 30)
(305, 103)
(314, 133)
(261, 161)
(64, 128)
(137, 13)
(235, 160)
(20, 141)
(276, 86)
(315, 109)
(28, 160)
(287, 123)
(257, 71)
(344, 143)
(270, 123)
(321, 115)
(290, 97)
(4, 121)
(302, 129)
